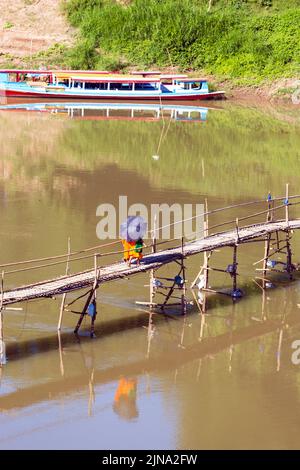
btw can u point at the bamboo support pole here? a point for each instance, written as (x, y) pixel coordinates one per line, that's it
(234, 274)
(267, 242)
(289, 266)
(266, 258)
(95, 298)
(234, 261)
(237, 230)
(152, 289)
(206, 255)
(287, 204)
(168, 295)
(2, 345)
(96, 273)
(89, 298)
(183, 295)
(63, 300)
(277, 240)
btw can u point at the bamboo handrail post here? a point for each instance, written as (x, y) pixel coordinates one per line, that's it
(206, 255)
(152, 289)
(183, 296)
(287, 204)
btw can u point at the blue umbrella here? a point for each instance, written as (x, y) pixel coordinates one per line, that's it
(133, 228)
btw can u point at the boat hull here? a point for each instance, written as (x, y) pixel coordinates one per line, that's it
(11, 92)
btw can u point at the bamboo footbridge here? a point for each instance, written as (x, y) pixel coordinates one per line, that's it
(157, 256)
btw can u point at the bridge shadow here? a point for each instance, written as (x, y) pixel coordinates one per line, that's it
(172, 359)
(24, 349)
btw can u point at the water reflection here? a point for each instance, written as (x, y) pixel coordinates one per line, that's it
(2, 353)
(125, 398)
(180, 351)
(114, 111)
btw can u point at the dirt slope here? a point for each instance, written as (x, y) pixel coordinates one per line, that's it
(30, 26)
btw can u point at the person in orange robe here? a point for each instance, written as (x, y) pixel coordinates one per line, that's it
(132, 250)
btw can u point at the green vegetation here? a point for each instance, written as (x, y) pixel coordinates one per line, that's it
(8, 25)
(236, 39)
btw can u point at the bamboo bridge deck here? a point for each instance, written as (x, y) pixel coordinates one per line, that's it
(64, 284)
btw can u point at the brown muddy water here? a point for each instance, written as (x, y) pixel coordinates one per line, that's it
(225, 380)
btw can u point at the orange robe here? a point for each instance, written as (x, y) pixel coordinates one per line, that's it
(129, 250)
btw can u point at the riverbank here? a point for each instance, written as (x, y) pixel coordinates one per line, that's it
(284, 91)
(31, 27)
(251, 52)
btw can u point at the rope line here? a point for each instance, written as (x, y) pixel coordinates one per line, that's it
(79, 258)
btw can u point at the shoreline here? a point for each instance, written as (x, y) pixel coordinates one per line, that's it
(283, 91)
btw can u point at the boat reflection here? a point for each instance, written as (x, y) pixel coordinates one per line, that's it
(114, 111)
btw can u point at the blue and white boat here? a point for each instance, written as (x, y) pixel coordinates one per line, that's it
(151, 86)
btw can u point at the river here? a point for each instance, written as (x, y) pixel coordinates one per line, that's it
(223, 380)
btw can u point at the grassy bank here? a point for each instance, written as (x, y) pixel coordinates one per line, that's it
(243, 40)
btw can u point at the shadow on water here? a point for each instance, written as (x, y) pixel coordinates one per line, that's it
(24, 349)
(173, 358)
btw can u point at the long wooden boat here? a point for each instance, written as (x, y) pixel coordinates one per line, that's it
(152, 86)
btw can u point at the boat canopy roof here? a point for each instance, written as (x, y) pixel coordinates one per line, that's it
(146, 72)
(114, 79)
(191, 80)
(66, 74)
(54, 72)
(35, 72)
(173, 77)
